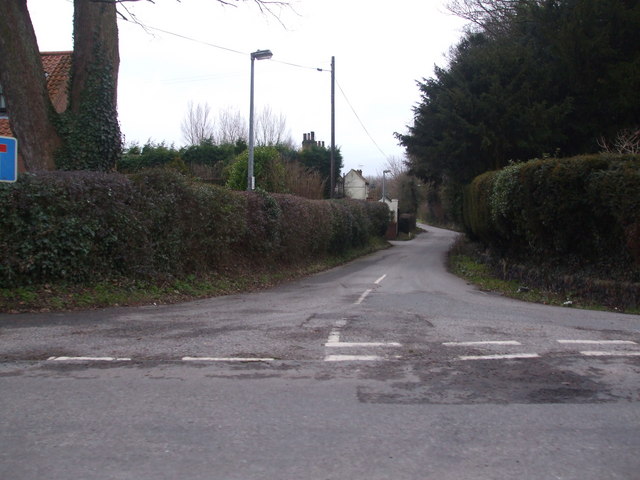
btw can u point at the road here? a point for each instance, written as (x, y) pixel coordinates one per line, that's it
(385, 368)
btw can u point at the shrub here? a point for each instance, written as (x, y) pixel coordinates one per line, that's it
(68, 225)
(79, 226)
(581, 209)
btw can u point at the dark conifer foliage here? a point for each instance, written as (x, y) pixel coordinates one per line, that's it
(539, 78)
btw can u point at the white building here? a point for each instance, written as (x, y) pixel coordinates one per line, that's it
(355, 185)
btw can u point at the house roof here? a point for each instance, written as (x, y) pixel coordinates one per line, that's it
(5, 128)
(57, 68)
(358, 174)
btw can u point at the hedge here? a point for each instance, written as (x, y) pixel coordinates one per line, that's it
(583, 209)
(80, 226)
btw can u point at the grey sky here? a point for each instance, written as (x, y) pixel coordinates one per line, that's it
(381, 48)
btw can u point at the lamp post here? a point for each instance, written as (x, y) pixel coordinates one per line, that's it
(259, 55)
(384, 190)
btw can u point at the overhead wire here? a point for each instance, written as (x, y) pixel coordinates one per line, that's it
(296, 65)
(361, 122)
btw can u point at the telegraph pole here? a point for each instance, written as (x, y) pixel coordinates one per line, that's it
(333, 127)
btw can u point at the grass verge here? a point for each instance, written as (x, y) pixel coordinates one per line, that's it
(466, 261)
(130, 292)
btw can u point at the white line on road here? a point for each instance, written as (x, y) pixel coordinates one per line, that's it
(471, 344)
(499, 357)
(363, 296)
(334, 336)
(598, 342)
(226, 359)
(352, 358)
(610, 354)
(361, 344)
(378, 281)
(89, 359)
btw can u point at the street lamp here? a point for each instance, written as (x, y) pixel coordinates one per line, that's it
(384, 190)
(259, 55)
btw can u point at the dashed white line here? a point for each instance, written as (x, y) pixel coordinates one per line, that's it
(598, 342)
(363, 296)
(610, 354)
(226, 359)
(488, 342)
(378, 281)
(499, 357)
(361, 344)
(352, 358)
(88, 359)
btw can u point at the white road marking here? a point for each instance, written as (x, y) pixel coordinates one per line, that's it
(334, 336)
(499, 357)
(226, 359)
(363, 296)
(471, 344)
(88, 359)
(361, 344)
(378, 281)
(352, 358)
(598, 342)
(610, 354)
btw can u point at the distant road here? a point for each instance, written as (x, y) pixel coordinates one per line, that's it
(386, 368)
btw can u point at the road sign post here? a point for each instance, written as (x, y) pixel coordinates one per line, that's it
(8, 159)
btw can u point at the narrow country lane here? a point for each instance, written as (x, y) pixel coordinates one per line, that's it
(387, 367)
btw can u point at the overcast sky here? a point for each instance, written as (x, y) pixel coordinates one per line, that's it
(381, 48)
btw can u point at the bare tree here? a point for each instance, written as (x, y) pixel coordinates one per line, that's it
(231, 127)
(397, 166)
(271, 128)
(198, 124)
(488, 15)
(627, 141)
(303, 182)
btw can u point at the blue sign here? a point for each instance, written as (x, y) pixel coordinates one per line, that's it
(8, 159)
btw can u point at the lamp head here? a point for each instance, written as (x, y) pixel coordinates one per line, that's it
(261, 55)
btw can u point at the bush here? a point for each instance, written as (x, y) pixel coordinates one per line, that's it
(582, 209)
(80, 226)
(69, 225)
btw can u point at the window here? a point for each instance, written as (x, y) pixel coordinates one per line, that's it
(3, 104)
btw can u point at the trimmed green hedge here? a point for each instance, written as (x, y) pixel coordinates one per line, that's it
(79, 226)
(582, 209)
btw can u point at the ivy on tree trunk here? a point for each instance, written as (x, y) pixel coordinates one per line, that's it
(25, 88)
(87, 136)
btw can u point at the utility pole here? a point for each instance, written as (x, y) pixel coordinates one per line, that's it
(333, 127)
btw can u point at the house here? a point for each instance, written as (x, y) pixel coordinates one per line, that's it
(355, 186)
(309, 140)
(57, 70)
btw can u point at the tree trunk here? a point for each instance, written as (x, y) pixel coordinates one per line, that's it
(95, 40)
(92, 137)
(22, 76)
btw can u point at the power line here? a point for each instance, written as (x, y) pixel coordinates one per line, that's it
(360, 121)
(291, 64)
(220, 47)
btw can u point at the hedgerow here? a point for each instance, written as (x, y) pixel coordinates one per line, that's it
(81, 226)
(583, 210)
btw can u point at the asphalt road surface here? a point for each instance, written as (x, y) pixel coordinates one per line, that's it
(386, 368)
